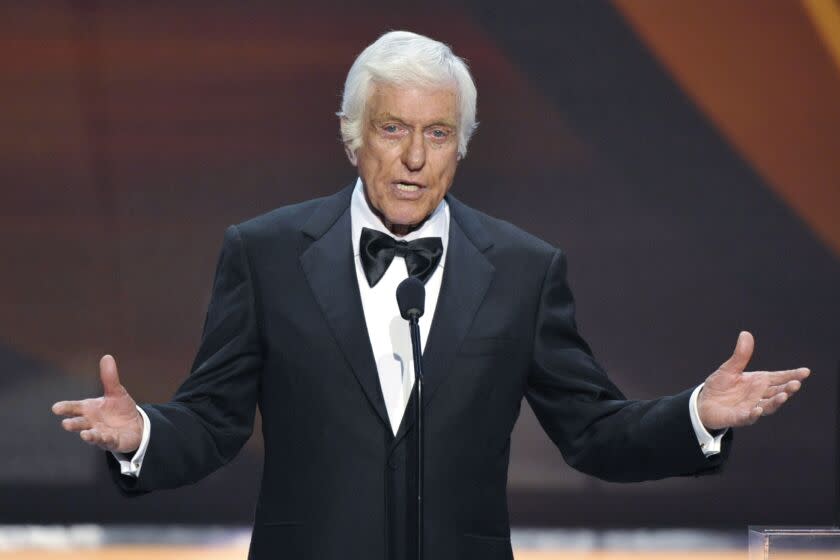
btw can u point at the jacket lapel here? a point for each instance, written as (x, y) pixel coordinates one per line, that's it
(466, 277)
(330, 270)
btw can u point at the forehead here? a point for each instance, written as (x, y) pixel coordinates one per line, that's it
(414, 104)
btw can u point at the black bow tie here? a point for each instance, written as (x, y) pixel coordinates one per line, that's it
(377, 250)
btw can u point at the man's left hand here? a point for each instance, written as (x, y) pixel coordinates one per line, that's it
(732, 397)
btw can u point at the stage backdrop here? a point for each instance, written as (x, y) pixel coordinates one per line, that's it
(683, 154)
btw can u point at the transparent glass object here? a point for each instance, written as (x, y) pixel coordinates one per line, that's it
(794, 543)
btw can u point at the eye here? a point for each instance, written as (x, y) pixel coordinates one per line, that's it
(439, 133)
(390, 128)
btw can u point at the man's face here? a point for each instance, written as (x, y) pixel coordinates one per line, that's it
(409, 152)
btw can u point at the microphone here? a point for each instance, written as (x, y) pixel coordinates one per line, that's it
(411, 298)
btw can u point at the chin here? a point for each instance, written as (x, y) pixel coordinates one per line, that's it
(405, 218)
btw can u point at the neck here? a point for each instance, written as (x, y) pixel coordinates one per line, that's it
(400, 229)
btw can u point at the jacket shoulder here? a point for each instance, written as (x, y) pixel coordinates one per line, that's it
(507, 237)
(278, 232)
(287, 222)
(280, 221)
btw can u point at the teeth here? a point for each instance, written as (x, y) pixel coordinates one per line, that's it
(407, 188)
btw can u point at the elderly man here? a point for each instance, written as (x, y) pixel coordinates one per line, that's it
(304, 324)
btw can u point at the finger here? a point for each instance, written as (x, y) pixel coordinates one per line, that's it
(89, 436)
(750, 416)
(68, 408)
(76, 424)
(790, 388)
(109, 376)
(782, 377)
(769, 406)
(98, 438)
(742, 354)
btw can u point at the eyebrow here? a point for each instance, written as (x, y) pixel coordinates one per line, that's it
(390, 117)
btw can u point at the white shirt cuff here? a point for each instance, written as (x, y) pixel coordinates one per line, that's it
(132, 467)
(708, 443)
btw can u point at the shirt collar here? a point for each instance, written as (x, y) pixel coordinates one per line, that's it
(361, 216)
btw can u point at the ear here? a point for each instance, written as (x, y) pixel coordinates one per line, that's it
(351, 155)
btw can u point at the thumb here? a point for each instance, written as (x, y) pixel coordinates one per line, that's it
(109, 376)
(742, 354)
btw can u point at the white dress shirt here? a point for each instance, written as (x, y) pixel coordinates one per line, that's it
(388, 331)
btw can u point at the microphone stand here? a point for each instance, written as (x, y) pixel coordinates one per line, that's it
(414, 329)
(411, 297)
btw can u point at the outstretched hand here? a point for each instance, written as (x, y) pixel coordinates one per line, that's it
(732, 397)
(110, 421)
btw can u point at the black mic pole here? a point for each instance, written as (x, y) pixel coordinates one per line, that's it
(411, 298)
(414, 327)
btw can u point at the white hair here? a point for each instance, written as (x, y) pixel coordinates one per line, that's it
(405, 58)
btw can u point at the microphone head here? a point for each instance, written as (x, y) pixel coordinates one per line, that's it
(411, 297)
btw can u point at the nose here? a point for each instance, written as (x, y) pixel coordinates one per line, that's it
(414, 154)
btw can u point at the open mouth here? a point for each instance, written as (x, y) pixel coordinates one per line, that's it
(407, 190)
(408, 187)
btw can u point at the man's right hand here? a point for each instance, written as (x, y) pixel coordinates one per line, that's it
(111, 421)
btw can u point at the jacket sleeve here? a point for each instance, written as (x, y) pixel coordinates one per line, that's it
(211, 415)
(597, 430)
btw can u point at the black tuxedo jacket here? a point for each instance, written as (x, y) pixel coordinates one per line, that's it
(285, 331)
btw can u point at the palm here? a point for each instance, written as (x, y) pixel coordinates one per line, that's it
(114, 416)
(732, 397)
(110, 421)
